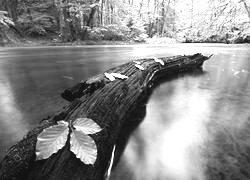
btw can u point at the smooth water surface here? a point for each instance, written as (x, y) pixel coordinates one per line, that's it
(197, 126)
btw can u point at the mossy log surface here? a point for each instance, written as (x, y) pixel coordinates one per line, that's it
(117, 107)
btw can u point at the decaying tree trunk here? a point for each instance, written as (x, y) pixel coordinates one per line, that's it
(116, 106)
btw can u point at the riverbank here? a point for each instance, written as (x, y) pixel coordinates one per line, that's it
(33, 42)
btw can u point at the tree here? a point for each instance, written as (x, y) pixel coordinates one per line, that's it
(5, 20)
(11, 7)
(247, 8)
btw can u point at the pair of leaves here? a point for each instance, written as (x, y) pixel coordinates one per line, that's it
(53, 138)
(139, 66)
(158, 60)
(112, 76)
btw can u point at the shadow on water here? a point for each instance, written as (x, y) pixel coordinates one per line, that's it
(196, 126)
(138, 156)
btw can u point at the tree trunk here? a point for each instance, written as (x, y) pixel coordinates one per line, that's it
(66, 23)
(90, 20)
(163, 14)
(247, 9)
(140, 7)
(102, 14)
(117, 106)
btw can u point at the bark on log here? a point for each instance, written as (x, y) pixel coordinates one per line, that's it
(118, 107)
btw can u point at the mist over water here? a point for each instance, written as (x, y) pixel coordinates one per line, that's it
(171, 134)
(197, 125)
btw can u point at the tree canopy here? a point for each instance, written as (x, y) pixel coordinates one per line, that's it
(124, 20)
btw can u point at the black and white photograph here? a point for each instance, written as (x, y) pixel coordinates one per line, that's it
(124, 90)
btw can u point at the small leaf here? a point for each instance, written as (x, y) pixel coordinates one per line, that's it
(158, 60)
(86, 125)
(83, 147)
(137, 62)
(139, 67)
(109, 76)
(51, 139)
(119, 76)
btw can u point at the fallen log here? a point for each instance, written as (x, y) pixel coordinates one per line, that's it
(116, 106)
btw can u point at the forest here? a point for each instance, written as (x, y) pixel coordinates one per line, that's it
(128, 21)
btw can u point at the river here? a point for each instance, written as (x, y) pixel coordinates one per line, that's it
(197, 126)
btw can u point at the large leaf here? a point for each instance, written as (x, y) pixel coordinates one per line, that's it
(83, 146)
(86, 125)
(51, 139)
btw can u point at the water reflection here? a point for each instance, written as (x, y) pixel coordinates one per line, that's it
(196, 127)
(227, 153)
(12, 124)
(172, 133)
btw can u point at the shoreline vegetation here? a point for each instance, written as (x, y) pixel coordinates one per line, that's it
(33, 42)
(107, 22)
(45, 41)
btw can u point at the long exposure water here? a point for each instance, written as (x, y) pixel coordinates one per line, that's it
(197, 126)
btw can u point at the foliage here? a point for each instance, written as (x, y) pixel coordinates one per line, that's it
(138, 66)
(115, 32)
(109, 76)
(126, 20)
(34, 18)
(5, 20)
(109, 32)
(218, 21)
(113, 76)
(119, 76)
(35, 23)
(53, 138)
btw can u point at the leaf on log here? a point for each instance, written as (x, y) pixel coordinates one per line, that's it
(137, 62)
(83, 146)
(158, 60)
(139, 67)
(51, 139)
(120, 118)
(119, 76)
(86, 125)
(109, 76)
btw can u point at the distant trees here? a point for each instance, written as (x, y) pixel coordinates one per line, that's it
(11, 7)
(83, 19)
(8, 17)
(5, 20)
(214, 21)
(247, 7)
(73, 20)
